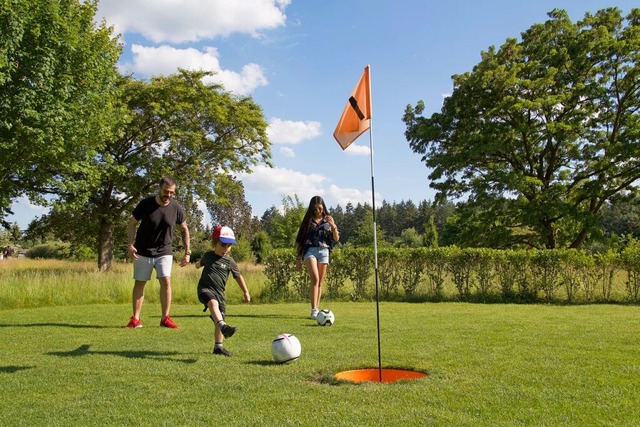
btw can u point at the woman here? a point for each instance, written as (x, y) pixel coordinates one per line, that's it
(316, 236)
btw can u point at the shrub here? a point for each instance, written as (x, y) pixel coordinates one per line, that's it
(279, 267)
(630, 259)
(50, 250)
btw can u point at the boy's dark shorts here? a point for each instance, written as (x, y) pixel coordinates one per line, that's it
(206, 295)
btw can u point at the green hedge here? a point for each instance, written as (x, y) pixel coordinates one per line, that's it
(470, 274)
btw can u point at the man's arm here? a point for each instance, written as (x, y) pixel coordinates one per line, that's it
(187, 244)
(131, 238)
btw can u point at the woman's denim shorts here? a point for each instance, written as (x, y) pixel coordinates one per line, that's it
(320, 254)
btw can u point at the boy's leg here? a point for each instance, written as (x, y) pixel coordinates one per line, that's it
(222, 329)
(214, 309)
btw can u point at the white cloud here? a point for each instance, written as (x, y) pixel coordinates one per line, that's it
(242, 83)
(286, 182)
(178, 21)
(282, 181)
(165, 60)
(287, 152)
(290, 132)
(343, 196)
(357, 150)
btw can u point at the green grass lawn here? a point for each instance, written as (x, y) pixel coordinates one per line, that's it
(488, 365)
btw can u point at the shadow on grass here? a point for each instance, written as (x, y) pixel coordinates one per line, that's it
(13, 369)
(59, 325)
(230, 315)
(83, 350)
(263, 363)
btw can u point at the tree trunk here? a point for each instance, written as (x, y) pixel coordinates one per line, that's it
(550, 234)
(105, 245)
(582, 236)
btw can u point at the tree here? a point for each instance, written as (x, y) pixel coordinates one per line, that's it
(409, 238)
(407, 217)
(431, 236)
(57, 73)
(363, 233)
(267, 218)
(15, 234)
(231, 208)
(260, 246)
(175, 125)
(285, 226)
(543, 131)
(387, 217)
(621, 216)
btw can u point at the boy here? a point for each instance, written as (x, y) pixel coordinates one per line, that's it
(217, 266)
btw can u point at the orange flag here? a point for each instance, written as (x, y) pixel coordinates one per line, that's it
(356, 117)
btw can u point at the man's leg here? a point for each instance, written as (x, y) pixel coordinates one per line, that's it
(165, 301)
(138, 297)
(165, 295)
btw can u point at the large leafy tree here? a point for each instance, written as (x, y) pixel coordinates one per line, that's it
(543, 131)
(175, 125)
(231, 208)
(57, 72)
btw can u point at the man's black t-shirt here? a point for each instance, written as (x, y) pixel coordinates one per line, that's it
(155, 233)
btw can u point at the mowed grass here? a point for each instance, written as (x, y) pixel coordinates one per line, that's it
(488, 365)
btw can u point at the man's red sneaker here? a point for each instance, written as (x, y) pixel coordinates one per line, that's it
(133, 323)
(168, 323)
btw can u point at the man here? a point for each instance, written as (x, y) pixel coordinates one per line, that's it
(151, 247)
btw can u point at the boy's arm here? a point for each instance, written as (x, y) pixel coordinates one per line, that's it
(245, 290)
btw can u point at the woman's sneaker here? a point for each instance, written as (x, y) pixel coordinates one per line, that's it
(314, 313)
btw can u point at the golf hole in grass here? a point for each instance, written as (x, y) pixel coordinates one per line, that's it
(384, 375)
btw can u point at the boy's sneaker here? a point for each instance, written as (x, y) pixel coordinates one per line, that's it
(227, 331)
(168, 323)
(314, 313)
(222, 351)
(133, 323)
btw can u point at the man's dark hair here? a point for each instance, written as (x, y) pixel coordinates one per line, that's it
(167, 180)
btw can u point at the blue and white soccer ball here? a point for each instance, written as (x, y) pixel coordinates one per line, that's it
(325, 318)
(285, 348)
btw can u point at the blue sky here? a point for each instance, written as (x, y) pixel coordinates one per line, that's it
(300, 60)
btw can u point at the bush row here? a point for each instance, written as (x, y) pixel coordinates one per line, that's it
(470, 274)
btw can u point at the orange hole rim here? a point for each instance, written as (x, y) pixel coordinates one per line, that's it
(389, 375)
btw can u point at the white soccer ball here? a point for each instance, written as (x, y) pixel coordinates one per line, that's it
(285, 348)
(325, 318)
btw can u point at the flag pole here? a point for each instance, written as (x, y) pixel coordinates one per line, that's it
(375, 238)
(355, 120)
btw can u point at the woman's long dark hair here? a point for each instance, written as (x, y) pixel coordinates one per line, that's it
(306, 222)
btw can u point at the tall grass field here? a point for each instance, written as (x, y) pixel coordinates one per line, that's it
(488, 365)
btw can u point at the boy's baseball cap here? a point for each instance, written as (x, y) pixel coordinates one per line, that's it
(224, 234)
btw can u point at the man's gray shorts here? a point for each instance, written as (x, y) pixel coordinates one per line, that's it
(143, 266)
